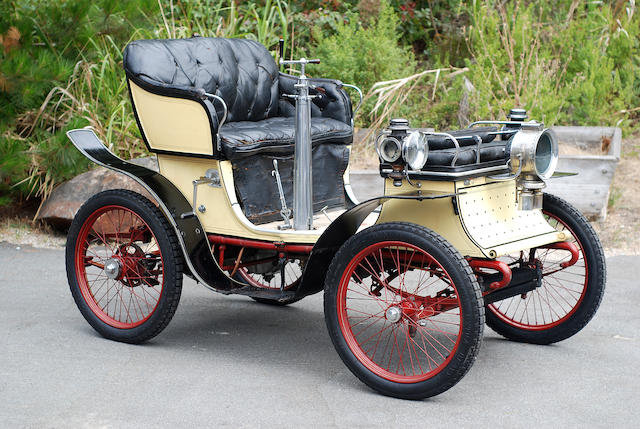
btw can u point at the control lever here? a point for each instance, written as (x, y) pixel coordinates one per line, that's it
(280, 51)
(285, 212)
(302, 61)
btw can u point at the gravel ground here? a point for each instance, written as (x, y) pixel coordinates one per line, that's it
(620, 231)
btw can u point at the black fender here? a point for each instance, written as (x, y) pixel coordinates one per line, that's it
(339, 231)
(191, 235)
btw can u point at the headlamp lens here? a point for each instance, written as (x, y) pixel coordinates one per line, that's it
(546, 156)
(389, 149)
(415, 150)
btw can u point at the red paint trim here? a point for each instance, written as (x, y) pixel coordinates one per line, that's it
(267, 245)
(499, 266)
(565, 245)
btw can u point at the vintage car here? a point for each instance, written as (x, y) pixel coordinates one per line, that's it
(253, 197)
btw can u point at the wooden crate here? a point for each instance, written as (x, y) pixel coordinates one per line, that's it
(589, 190)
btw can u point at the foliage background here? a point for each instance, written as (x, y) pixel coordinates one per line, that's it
(567, 62)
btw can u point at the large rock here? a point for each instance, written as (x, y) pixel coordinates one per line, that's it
(65, 200)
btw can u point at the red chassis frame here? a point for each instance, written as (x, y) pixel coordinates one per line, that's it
(437, 303)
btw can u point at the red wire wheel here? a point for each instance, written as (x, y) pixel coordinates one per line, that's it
(117, 263)
(115, 237)
(568, 297)
(271, 280)
(397, 335)
(404, 309)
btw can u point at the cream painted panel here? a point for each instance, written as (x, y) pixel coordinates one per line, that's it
(437, 215)
(219, 217)
(173, 124)
(528, 243)
(489, 224)
(491, 216)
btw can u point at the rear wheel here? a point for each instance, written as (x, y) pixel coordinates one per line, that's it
(568, 297)
(124, 266)
(403, 310)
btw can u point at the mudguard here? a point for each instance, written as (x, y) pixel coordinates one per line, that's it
(340, 230)
(190, 233)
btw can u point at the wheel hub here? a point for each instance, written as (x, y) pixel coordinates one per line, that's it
(409, 308)
(112, 269)
(405, 308)
(393, 314)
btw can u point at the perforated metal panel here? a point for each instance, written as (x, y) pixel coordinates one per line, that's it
(491, 217)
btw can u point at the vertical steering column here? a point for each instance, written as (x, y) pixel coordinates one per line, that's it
(302, 173)
(302, 178)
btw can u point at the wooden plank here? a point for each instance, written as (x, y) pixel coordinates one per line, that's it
(591, 199)
(589, 190)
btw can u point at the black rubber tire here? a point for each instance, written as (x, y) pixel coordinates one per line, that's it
(462, 276)
(172, 264)
(596, 265)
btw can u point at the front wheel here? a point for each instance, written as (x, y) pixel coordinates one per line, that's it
(124, 266)
(403, 310)
(568, 297)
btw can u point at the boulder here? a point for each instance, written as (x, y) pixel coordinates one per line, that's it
(62, 205)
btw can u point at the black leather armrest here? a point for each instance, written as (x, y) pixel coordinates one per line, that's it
(165, 89)
(334, 102)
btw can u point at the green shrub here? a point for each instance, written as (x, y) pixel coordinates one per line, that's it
(65, 71)
(564, 64)
(567, 62)
(53, 43)
(363, 55)
(434, 28)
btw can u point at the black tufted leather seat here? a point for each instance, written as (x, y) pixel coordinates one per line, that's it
(245, 75)
(276, 135)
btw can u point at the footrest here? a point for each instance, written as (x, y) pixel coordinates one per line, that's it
(274, 294)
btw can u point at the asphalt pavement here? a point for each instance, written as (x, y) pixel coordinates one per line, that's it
(226, 361)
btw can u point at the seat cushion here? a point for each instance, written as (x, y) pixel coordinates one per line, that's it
(277, 135)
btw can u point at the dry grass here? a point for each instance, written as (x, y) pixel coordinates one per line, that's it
(389, 95)
(22, 231)
(620, 232)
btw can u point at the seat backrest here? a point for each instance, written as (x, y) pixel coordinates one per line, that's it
(240, 71)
